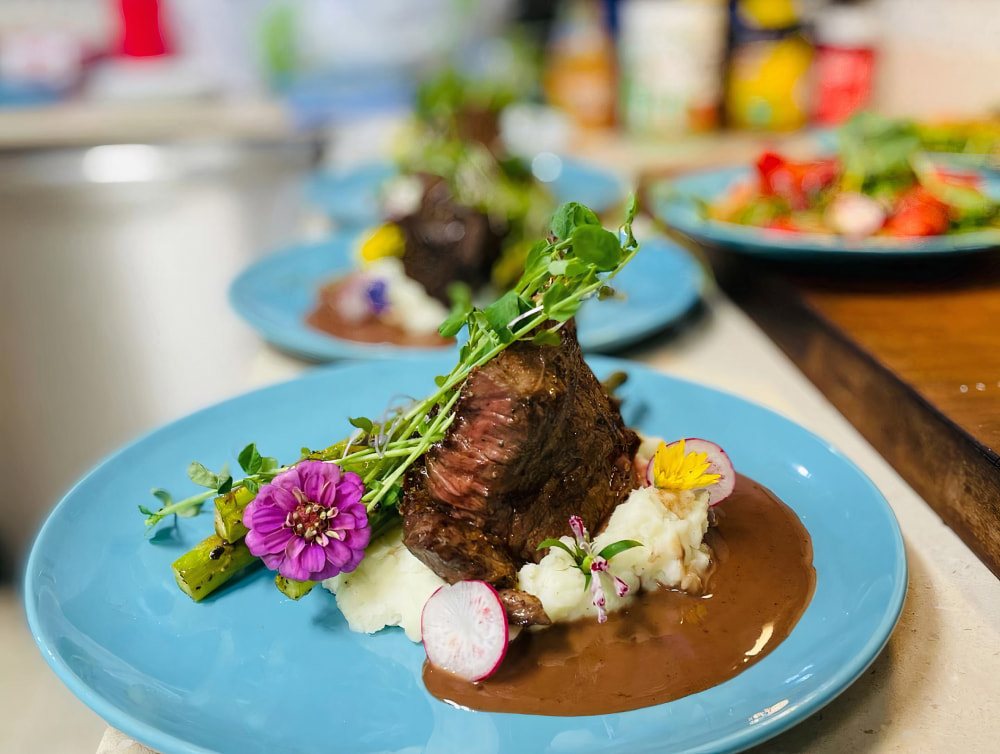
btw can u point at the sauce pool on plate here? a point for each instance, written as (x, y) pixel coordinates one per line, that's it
(667, 644)
(327, 317)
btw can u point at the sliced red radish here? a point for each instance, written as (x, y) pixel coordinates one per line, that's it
(718, 461)
(464, 629)
(855, 215)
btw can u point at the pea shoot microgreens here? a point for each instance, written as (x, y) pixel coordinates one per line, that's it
(577, 262)
(258, 469)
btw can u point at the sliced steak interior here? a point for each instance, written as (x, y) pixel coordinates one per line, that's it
(535, 440)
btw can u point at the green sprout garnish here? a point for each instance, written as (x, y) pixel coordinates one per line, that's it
(578, 262)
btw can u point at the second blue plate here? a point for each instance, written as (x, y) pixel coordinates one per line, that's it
(275, 295)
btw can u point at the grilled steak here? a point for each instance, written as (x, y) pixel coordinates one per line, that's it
(535, 440)
(446, 241)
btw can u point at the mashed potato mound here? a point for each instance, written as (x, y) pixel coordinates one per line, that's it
(670, 526)
(388, 588)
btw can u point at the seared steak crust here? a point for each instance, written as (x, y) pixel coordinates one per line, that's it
(535, 440)
(446, 241)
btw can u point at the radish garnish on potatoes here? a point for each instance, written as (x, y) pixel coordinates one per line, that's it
(464, 629)
(692, 463)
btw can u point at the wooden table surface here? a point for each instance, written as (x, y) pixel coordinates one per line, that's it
(909, 351)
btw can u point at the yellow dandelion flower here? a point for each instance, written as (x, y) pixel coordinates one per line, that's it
(386, 241)
(673, 469)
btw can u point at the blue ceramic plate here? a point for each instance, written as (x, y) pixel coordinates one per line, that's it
(249, 670)
(676, 203)
(351, 197)
(275, 294)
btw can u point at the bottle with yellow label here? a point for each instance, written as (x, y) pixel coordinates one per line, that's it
(767, 81)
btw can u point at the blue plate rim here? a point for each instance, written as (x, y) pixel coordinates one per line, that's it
(772, 725)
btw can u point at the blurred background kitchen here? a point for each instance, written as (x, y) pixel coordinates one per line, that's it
(152, 149)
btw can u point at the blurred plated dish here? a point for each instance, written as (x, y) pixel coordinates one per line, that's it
(880, 193)
(353, 197)
(277, 295)
(680, 203)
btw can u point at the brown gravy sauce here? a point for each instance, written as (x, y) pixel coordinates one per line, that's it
(326, 317)
(668, 644)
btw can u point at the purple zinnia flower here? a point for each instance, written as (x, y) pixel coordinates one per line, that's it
(309, 523)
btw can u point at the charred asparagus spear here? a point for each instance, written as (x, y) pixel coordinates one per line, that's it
(210, 564)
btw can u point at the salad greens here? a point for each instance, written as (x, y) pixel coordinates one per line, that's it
(880, 183)
(875, 154)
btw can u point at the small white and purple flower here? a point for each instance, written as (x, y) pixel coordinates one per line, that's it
(594, 564)
(309, 523)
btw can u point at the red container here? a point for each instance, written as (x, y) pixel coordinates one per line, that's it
(844, 64)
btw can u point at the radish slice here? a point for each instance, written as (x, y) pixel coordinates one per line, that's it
(464, 629)
(854, 215)
(719, 463)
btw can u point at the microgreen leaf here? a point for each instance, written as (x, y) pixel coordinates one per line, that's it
(558, 267)
(596, 245)
(249, 459)
(502, 312)
(571, 216)
(546, 338)
(146, 511)
(578, 268)
(201, 476)
(633, 208)
(553, 542)
(363, 423)
(461, 307)
(225, 485)
(605, 292)
(618, 547)
(558, 303)
(537, 261)
(163, 496)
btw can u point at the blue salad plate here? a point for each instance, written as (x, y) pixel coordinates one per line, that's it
(679, 204)
(248, 670)
(351, 197)
(275, 294)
